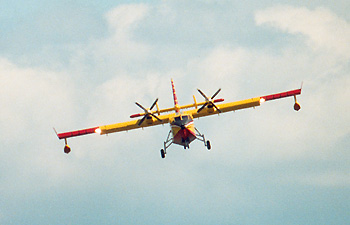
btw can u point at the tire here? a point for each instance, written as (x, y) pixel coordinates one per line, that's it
(162, 154)
(208, 145)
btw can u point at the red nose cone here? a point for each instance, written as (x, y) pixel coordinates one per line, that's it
(297, 106)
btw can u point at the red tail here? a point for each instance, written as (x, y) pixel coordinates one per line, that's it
(176, 103)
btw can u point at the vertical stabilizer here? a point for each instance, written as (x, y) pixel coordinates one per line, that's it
(176, 103)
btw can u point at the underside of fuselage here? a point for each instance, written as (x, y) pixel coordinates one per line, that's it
(183, 136)
(183, 130)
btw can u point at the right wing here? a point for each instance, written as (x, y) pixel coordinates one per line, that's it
(226, 107)
(248, 103)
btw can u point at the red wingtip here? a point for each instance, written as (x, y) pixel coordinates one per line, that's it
(281, 95)
(77, 133)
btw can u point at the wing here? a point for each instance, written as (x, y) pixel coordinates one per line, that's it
(70, 134)
(162, 119)
(225, 107)
(243, 104)
(118, 127)
(133, 124)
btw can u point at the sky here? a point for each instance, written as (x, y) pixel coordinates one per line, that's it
(80, 64)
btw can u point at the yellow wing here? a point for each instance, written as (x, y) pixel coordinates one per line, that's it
(248, 103)
(226, 107)
(123, 126)
(162, 119)
(133, 124)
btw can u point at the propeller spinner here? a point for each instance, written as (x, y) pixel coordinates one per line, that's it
(209, 102)
(148, 112)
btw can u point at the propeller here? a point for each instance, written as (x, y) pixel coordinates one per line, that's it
(209, 101)
(148, 112)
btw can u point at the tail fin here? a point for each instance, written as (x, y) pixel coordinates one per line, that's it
(176, 103)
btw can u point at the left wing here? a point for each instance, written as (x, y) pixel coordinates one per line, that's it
(118, 127)
(130, 125)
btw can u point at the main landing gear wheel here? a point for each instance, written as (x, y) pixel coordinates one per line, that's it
(162, 153)
(208, 145)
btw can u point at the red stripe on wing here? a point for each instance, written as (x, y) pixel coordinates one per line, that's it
(282, 95)
(77, 133)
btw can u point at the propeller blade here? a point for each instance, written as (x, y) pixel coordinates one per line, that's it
(139, 105)
(217, 108)
(154, 103)
(201, 108)
(206, 98)
(156, 117)
(216, 93)
(141, 121)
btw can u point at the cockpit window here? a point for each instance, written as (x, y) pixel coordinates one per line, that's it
(177, 119)
(182, 120)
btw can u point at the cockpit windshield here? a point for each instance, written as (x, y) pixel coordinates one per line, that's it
(182, 120)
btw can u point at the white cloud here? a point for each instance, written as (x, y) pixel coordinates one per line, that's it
(324, 29)
(120, 50)
(323, 119)
(222, 62)
(115, 98)
(123, 18)
(275, 125)
(32, 100)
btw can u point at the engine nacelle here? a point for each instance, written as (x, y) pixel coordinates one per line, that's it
(67, 149)
(297, 106)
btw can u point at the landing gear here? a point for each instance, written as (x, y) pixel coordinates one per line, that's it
(201, 137)
(162, 153)
(167, 143)
(208, 145)
(185, 142)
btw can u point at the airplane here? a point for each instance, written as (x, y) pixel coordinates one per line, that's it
(180, 118)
